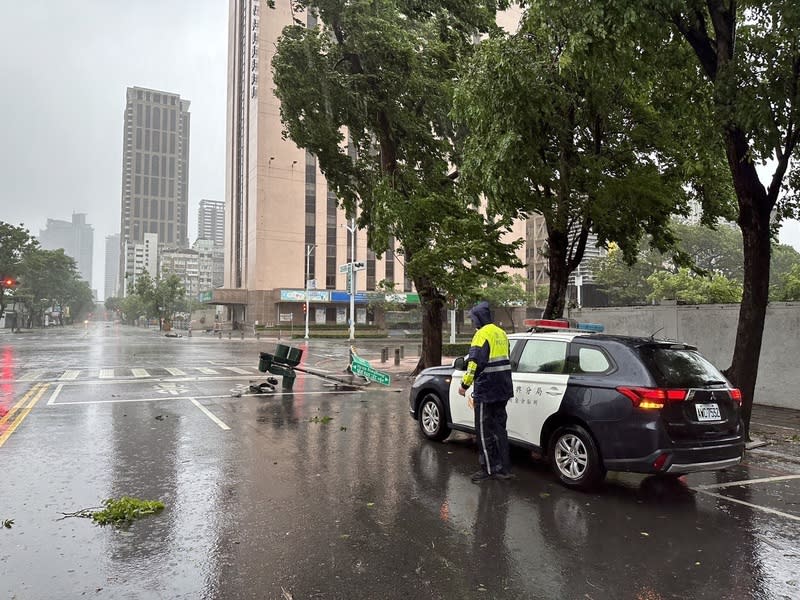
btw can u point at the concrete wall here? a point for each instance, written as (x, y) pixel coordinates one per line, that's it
(712, 328)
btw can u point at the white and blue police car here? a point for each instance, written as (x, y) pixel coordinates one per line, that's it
(593, 402)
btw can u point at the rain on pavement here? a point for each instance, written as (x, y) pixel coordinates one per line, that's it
(265, 498)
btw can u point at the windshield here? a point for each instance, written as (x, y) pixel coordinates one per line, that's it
(679, 367)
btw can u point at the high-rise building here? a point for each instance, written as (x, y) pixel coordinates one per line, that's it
(112, 266)
(76, 238)
(211, 222)
(279, 214)
(155, 169)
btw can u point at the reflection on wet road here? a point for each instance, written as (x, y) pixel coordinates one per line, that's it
(321, 493)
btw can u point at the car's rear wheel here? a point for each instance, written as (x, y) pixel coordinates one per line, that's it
(432, 418)
(575, 459)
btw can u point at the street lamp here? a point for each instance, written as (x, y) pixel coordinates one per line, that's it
(309, 250)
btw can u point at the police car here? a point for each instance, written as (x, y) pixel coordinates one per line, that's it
(593, 402)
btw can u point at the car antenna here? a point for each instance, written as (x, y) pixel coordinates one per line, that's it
(653, 335)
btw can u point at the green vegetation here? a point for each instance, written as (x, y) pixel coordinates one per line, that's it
(121, 512)
(153, 299)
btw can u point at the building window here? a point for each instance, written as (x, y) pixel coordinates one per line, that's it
(154, 163)
(156, 142)
(138, 138)
(147, 140)
(170, 232)
(154, 186)
(139, 115)
(154, 209)
(137, 187)
(172, 126)
(137, 207)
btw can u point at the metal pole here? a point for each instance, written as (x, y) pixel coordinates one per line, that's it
(453, 323)
(352, 230)
(309, 250)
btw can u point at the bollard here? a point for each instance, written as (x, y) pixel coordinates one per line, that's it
(402, 352)
(242, 333)
(384, 354)
(190, 333)
(258, 335)
(229, 335)
(219, 334)
(396, 356)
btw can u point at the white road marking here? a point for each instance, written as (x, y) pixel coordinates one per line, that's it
(55, 394)
(207, 371)
(210, 415)
(237, 370)
(174, 371)
(140, 373)
(106, 373)
(214, 396)
(766, 509)
(32, 375)
(717, 486)
(69, 375)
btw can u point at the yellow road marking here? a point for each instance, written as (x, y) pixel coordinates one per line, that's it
(16, 407)
(24, 413)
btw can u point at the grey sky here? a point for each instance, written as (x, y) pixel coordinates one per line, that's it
(64, 68)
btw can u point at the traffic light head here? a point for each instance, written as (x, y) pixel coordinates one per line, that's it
(9, 282)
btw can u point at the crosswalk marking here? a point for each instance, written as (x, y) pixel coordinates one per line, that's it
(106, 373)
(174, 371)
(32, 375)
(207, 371)
(70, 375)
(238, 370)
(140, 373)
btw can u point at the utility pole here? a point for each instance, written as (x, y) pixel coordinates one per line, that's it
(309, 250)
(352, 229)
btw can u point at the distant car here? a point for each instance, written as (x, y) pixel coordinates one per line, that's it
(593, 402)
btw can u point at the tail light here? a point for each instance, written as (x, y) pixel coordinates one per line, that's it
(652, 398)
(736, 395)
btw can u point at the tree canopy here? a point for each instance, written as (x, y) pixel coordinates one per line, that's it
(369, 94)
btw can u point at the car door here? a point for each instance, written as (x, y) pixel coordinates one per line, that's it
(540, 383)
(460, 413)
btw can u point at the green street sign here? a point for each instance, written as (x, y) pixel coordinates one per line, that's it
(362, 370)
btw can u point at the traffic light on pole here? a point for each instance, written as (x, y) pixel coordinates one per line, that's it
(9, 282)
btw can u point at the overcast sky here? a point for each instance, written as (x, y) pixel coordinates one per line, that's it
(64, 68)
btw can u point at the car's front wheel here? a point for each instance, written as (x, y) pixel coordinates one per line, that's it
(575, 459)
(432, 418)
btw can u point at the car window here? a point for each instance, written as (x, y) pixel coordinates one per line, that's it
(592, 360)
(542, 356)
(679, 367)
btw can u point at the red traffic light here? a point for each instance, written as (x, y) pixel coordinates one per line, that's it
(9, 282)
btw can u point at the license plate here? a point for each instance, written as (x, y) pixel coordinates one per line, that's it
(708, 412)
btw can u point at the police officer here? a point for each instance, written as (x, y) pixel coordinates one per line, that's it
(489, 374)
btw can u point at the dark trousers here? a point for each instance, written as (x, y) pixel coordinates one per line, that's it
(490, 426)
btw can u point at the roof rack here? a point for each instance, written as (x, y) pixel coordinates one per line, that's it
(566, 325)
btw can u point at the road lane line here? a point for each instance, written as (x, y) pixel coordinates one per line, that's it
(69, 375)
(174, 371)
(106, 374)
(210, 415)
(717, 486)
(7, 417)
(207, 371)
(24, 413)
(215, 396)
(766, 509)
(140, 373)
(55, 394)
(32, 375)
(237, 370)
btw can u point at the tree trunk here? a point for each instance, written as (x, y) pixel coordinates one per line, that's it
(559, 275)
(432, 303)
(754, 217)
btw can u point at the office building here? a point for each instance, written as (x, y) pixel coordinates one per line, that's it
(75, 237)
(139, 257)
(155, 168)
(211, 221)
(112, 266)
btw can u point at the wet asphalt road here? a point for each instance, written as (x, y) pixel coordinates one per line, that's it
(265, 498)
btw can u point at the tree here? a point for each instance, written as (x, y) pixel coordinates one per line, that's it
(505, 293)
(168, 295)
(369, 95)
(690, 288)
(788, 288)
(626, 284)
(15, 243)
(784, 260)
(716, 250)
(752, 86)
(569, 132)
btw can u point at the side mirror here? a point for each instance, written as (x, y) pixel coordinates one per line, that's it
(460, 364)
